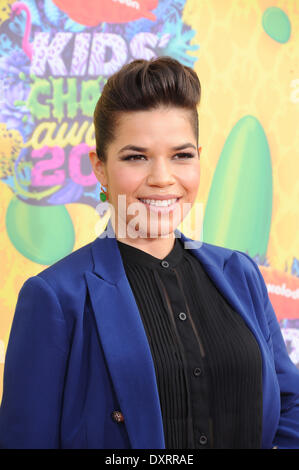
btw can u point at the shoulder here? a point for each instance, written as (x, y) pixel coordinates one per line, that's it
(216, 253)
(68, 272)
(236, 265)
(245, 259)
(219, 256)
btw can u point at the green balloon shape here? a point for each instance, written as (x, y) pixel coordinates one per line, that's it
(276, 24)
(43, 234)
(239, 206)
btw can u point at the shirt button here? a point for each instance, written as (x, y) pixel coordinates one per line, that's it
(182, 316)
(197, 371)
(165, 264)
(203, 440)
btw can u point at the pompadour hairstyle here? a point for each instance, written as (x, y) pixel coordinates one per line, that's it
(145, 85)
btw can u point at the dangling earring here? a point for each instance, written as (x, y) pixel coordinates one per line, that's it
(103, 195)
(103, 207)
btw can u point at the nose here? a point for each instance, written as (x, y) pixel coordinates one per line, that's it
(160, 173)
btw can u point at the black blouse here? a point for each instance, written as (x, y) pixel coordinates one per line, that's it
(207, 361)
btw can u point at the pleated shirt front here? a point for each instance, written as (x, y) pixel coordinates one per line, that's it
(207, 362)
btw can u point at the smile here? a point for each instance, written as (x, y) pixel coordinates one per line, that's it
(162, 206)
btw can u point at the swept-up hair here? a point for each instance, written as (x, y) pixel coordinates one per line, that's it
(143, 85)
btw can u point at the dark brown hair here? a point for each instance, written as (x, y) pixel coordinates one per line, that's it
(144, 85)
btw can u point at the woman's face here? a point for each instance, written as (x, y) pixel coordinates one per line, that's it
(152, 170)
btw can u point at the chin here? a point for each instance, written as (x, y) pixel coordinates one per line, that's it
(153, 225)
(162, 230)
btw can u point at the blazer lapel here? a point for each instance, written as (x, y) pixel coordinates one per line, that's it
(125, 346)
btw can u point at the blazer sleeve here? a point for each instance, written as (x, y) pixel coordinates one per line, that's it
(287, 435)
(34, 370)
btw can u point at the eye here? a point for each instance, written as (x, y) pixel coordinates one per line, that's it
(132, 157)
(185, 155)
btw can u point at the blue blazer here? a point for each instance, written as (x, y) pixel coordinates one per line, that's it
(78, 351)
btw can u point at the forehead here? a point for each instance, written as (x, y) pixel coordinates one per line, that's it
(147, 127)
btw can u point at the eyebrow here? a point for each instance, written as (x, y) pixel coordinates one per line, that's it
(144, 149)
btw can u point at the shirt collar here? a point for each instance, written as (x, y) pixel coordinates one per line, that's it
(133, 255)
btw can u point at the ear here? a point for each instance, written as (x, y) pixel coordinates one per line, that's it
(98, 167)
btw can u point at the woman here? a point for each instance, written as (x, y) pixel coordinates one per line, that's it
(136, 340)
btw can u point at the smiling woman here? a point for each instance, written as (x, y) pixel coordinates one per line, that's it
(143, 109)
(138, 342)
(163, 179)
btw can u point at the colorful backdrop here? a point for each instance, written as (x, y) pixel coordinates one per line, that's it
(55, 57)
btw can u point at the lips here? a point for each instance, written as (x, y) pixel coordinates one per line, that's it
(160, 197)
(147, 199)
(160, 209)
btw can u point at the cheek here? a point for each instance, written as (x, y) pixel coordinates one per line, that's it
(125, 181)
(190, 178)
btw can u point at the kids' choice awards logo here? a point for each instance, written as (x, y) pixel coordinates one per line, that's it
(54, 64)
(52, 80)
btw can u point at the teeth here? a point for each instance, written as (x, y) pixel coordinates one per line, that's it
(165, 203)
